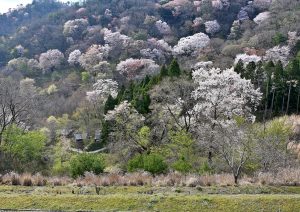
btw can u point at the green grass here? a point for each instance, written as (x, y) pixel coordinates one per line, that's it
(148, 199)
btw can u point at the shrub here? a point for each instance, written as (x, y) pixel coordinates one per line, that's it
(82, 163)
(153, 163)
(135, 163)
(182, 166)
(205, 169)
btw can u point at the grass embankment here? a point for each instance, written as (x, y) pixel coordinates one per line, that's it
(151, 199)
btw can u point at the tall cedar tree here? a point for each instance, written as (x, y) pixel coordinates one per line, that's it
(239, 68)
(163, 72)
(174, 69)
(110, 104)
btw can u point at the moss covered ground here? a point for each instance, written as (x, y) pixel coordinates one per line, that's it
(249, 198)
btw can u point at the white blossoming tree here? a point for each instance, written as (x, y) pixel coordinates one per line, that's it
(278, 53)
(137, 68)
(163, 27)
(75, 28)
(221, 96)
(212, 27)
(261, 17)
(189, 46)
(73, 59)
(93, 109)
(94, 55)
(246, 59)
(102, 89)
(125, 121)
(50, 60)
(158, 50)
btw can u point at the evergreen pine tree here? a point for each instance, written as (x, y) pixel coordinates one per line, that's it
(109, 104)
(250, 71)
(174, 69)
(163, 72)
(120, 96)
(239, 68)
(105, 132)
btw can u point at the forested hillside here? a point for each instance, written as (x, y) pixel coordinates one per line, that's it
(202, 87)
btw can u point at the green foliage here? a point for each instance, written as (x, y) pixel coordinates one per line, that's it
(61, 164)
(24, 147)
(153, 163)
(85, 76)
(144, 136)
(279, 38)
(278, 129)
(205, 168)
(250, 71)
(105, 132)
(136, 163)
(163, 72)
(86, 163)
(239, 68)
(174, 69)
(109, 104)
(182, 166)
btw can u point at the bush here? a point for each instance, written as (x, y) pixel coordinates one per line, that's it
(136, 163)
(153, 163)
(182, 166)
(205, 169)
(86, 163)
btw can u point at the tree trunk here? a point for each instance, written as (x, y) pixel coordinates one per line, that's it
(236, 178)
(282, 106)
(272, 104)
(266, 105)
(288, 101)
(298, 101)
(210, 158)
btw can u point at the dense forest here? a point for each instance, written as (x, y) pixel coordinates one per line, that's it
(117, 86)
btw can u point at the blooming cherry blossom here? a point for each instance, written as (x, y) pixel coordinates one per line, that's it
(190, 45)
(137, 68)
(102, 89)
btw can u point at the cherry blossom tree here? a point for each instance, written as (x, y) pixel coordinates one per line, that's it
(203, 64)
(23, 65)
(221, 96)
(94, 55)
(278, 53)
(235, 30)
(261, 17)
(125, 122)
(197, 22)
(137, 68)
(115, 39)
(75, 28)
(50, 60)
(163, 27)
(119, 43)
(74, 56)
(293, 38)
(102, 89)
(246, 59)
(212, 27)
(158, 50)
(189, 46)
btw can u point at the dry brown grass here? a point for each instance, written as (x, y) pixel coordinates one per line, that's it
(284, 177)
(287, 177)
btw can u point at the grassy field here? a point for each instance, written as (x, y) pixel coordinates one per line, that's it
(151, 199)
